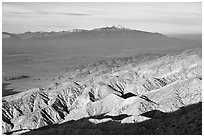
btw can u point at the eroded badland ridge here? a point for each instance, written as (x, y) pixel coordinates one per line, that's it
(143, 94)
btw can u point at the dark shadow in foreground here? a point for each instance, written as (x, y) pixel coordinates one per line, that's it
(187, 121)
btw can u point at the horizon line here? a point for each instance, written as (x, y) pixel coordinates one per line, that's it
(107, 26)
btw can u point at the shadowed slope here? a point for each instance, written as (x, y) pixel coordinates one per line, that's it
(186, 120)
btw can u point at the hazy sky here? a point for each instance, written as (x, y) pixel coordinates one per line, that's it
(166, 18)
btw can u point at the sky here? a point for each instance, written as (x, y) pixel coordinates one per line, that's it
(165, 18)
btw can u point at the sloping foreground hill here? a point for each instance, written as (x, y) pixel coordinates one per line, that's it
(147, 94)
(187, 120)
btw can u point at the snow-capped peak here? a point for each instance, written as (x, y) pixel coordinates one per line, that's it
(115, 27)
(118, 27)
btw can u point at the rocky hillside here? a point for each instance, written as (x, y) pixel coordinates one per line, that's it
(143, 94)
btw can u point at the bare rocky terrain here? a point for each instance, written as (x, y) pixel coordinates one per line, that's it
(152, 93)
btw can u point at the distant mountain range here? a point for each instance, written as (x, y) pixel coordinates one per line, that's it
(104, 40)
(61, 34)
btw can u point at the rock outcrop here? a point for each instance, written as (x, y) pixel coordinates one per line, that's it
(124, 90)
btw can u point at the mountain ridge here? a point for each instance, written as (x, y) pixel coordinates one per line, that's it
(43, 34)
